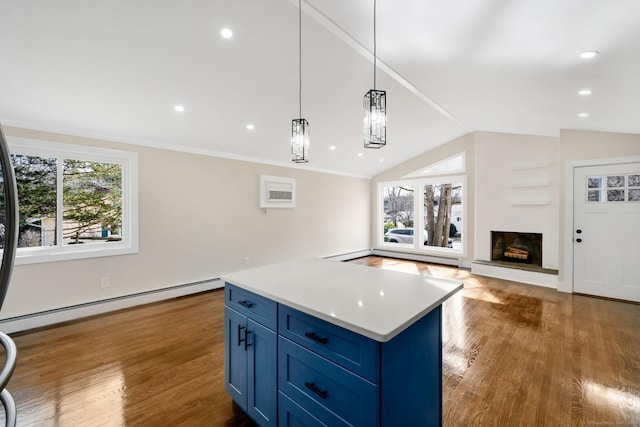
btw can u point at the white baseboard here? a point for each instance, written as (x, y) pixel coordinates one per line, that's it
(50, 317)
(456, 262)
(516, 275)
(350, 255)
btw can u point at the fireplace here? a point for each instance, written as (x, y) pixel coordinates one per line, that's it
(516, 248)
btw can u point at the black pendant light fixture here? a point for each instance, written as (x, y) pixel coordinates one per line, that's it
(375, 105)
(300, 127)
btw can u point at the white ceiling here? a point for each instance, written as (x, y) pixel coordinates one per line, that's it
(115, 69)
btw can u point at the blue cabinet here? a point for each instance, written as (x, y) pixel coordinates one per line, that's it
(250, 365)
(288, 368)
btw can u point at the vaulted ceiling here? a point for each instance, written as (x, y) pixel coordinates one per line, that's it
(116, 69)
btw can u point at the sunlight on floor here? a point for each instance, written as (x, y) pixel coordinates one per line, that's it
(100, 397)
(388, 264)
(616, 398)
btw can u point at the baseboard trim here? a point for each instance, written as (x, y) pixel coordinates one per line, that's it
(64, 314)
(350, 255)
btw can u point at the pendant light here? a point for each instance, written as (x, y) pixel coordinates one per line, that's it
(300, 127)
(375, 105)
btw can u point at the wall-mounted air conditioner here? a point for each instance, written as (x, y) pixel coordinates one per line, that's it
(277, 192)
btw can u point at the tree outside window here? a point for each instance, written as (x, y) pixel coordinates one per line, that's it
(91, 201)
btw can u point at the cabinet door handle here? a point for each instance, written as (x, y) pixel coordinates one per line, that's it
(240, 328)
(246, 340)
(246, 303)
(312, 386)
(316, 338)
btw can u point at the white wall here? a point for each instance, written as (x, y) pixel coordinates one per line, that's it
(199, 217)
(579, 145)
(517, 189)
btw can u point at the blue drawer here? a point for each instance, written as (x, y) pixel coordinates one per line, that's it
(291, 414)
(353, 351)
(324, 389)
(258, 308)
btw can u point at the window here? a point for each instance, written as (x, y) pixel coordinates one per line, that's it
(74, 201)
(425, 214)
(398, 214)
(612, 188)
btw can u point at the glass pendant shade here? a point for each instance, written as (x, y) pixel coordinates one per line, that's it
(375, 118)
(300, 140)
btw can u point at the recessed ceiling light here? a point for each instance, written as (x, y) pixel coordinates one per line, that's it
(179, 108)
(333, 147)
(250, 126)
(585, 92)
(359, 154)
(589, 54)
(381, 160)
(583, 115)
(226, 33)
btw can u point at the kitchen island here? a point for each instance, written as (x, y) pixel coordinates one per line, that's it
(320, 342)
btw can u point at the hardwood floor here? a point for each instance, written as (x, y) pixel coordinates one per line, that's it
(513, 354)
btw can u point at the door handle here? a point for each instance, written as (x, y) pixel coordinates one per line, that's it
(246, 340)
(240, 340)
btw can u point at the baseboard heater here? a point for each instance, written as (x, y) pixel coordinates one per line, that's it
(64, 314)
(455, 262)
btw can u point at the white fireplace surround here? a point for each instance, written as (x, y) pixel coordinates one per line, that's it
(516, 189)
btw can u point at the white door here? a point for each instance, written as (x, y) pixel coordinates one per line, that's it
(606, 234)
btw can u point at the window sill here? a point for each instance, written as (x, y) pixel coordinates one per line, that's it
(68, 254)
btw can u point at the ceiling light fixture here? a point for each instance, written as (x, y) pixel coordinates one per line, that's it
(333, 147)
(585, 92)
(589, 54)
(300, 127)
(250, 126)
(583, 115)
(375, 105)
(179, 108)
(226, 33)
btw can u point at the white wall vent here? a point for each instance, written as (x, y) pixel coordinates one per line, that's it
(277, 192)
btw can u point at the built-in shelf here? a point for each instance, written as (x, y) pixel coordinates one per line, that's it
(532, 184)
(529, 202)
(531, 165)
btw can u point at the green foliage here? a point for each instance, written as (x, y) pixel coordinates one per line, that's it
(92, 196)
(388, 226)
(36, 183)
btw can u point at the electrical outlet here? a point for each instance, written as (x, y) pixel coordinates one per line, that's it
(246, 260)
(104, 282)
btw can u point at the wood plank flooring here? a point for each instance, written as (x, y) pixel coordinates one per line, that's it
(514, 355)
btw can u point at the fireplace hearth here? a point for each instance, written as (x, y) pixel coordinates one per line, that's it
(516, 248)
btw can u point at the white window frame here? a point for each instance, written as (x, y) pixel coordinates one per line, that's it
(418, 215)
(60, 252)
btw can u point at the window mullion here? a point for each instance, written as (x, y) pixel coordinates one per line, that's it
(59, 200)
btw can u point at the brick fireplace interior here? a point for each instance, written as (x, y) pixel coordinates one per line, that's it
(508, 247)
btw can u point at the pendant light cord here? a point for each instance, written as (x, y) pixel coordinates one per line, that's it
(300, 57)
(375, 56)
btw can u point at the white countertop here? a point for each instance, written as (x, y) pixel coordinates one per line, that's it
(373, 302)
